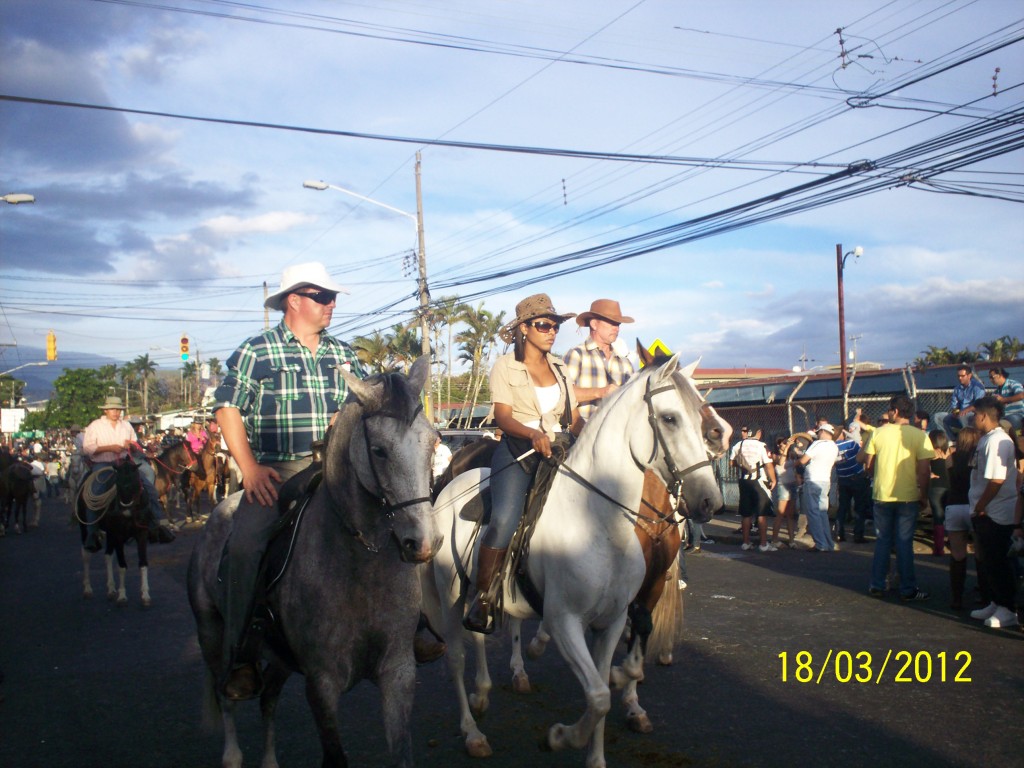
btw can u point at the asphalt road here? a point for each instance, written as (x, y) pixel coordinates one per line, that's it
(92, 684)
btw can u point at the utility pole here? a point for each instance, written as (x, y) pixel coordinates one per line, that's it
(428, 408)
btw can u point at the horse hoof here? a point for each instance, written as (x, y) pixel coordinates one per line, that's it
(639, 724)
(111, 595)
(521, 683)
(535, 649)
(146, 602)
(87, 595)
(665, 660)
(478, 705)
(478, 747)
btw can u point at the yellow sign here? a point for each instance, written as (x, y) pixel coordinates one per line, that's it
(658, 348)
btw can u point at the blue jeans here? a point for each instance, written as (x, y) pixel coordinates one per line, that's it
(509, 486)
(856, 492)
(816, 509)
(953, 424)
(894, 523)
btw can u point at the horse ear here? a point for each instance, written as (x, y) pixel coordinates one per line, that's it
(688, 370)
(358, 387)
(646, 358)
(418, 373)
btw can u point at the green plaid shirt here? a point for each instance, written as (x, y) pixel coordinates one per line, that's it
(285, 393)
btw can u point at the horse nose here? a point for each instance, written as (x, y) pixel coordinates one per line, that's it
(417, 550)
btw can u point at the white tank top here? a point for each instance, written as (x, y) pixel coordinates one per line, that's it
(548, 399)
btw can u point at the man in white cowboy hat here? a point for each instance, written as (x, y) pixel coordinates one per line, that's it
(108, 439)
(595, 368)
(294, 364)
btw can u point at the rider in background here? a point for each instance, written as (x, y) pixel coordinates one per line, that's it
(196, 437)
(109, 439)
(594, 367)
(533, 401)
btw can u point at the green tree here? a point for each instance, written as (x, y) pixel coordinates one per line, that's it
(1002, 350)
(444, 314)
(404, 346)
(476, 345)
(11, 390)
(372, 351)
(145, 369)
(77, 395)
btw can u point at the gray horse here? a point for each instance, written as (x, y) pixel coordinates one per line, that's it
(347, 606)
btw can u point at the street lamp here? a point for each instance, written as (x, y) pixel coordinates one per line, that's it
(424, 294)
(840, 266)
(18, 197)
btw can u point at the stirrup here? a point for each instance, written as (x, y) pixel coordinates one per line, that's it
(480, 616)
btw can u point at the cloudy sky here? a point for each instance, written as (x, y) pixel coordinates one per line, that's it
(697, 161)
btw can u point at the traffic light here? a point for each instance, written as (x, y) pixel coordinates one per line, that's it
(51, 346)
(184, 348)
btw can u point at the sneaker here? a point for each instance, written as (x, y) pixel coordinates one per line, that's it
(768, 547)
(914, 596)
(707, 541)
(1003, 617)
(984, 613)
(746, 547)
(876, 592)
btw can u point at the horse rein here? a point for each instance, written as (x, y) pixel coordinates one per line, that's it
(388, 507)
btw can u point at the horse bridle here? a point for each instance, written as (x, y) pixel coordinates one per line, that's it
(660, 442)
(388, 507)
(678, 475)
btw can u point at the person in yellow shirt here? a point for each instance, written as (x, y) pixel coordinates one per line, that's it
(899, 457)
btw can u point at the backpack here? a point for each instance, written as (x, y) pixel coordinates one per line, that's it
(744, 463)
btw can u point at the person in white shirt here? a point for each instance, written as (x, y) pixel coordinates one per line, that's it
(756, 482)
(108, 439)
(995, 514)
(818, 460)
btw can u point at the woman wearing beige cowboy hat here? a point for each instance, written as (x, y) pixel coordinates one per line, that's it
(533, 402)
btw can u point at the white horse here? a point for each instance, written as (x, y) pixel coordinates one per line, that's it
(584, 558)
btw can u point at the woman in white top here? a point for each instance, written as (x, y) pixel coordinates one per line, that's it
(532, 403)
(784, 492)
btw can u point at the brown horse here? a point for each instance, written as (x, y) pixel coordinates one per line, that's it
(203, 477)
(169, 467)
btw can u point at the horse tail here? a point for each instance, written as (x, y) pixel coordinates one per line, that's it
(211, 704)
(667, 616)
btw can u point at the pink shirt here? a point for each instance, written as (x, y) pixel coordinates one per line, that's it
(196, 441)
(105, 432)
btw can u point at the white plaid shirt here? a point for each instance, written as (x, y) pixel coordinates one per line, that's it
(587, 367)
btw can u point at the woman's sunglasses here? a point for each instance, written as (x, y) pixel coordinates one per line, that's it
(320, 297)
(545, 327)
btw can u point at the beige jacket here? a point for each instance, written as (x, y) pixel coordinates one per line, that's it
(511, 385)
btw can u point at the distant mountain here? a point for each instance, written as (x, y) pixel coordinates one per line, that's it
(39, 378)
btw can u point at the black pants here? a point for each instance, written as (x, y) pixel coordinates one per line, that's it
(995, 576)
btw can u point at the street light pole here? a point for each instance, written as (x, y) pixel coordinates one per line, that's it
(421, 287)
(840, 266)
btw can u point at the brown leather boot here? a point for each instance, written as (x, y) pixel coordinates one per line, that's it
(480, 616)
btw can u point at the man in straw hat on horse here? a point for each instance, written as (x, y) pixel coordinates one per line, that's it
(109, 439)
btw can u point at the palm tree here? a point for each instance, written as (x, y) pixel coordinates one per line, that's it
(216, 370)
(372, 351)
(188, 375)
(126, 376)
(145, 368)
(476, 344)
(445, 313)
(1003, 349)
(405, 346)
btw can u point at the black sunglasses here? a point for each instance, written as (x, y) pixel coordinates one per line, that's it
(545, 326)
(320, 297)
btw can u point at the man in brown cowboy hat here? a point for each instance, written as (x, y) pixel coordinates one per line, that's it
(594, 367)
(108, 439)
